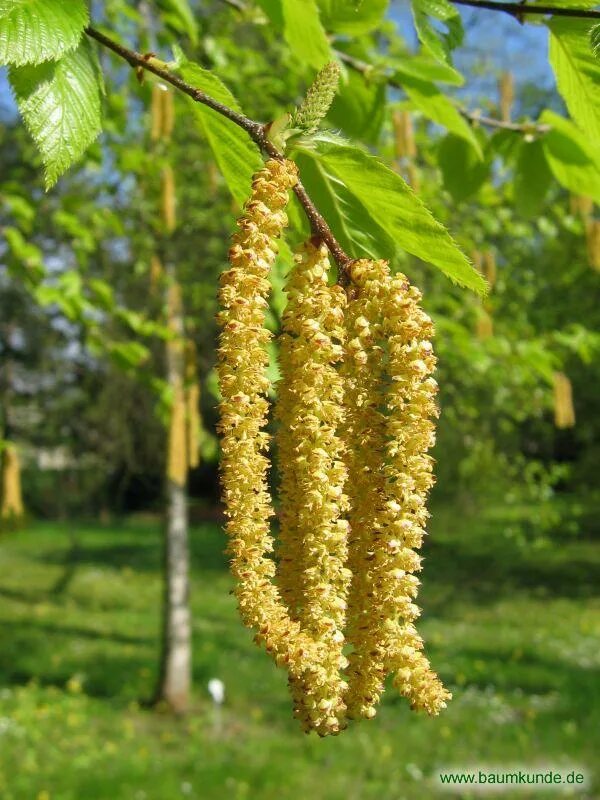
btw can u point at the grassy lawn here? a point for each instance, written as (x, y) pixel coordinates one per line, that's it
(513, 630)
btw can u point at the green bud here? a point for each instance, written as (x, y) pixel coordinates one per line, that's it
(318, 100)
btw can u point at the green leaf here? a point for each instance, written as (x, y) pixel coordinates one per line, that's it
(462, 170)
(439, 43)
(424, 69)
(349, 220)
(61, 105)
(595, 40)
(33, 31)
(574, 162)
(577, 72)
(359, 108)
(304, 32)
(181, 17)
(390, 203)
(532, 178)
(438, 108)
(340, 16)
(236, 155)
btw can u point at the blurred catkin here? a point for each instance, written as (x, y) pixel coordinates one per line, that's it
(564, 411)
(12, 500)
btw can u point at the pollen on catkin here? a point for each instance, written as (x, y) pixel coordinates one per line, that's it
(393, 414)
(312, 575)
(242, 370)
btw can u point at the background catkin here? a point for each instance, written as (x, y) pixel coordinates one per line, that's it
(393, 410)
(564, 411)
(12, 500)
(177, 462)
(192, 406)
(244, 409)
(313, 530)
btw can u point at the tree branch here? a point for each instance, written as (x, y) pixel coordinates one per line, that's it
(518, 10)
(474, 116)
(255, 130)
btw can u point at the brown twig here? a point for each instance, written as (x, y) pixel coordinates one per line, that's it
(518, 10)
(474, 116)
(255, 130)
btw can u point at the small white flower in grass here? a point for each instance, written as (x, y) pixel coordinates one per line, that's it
(216, 689)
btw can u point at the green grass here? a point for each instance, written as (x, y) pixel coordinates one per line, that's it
(513, 629)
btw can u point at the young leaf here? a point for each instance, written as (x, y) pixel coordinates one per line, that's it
(595, 40)
(577, 72)
(532, 178)
(574, 162)
(33, 31)
(180, 15)
(439, 43)
(236, 155)
(304, 32)
(391, 204)
(463, 172)
(61, 105)
(438, 108)
(424, 69)
(341, 16)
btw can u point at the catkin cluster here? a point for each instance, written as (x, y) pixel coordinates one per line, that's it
(335, 604)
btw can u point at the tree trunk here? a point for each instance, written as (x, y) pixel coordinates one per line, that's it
(176, 662)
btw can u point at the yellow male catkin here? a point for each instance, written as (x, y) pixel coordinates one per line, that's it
(564, 411)
(312, 576)
(490, 269)
(192, 405)
(404, 135)
(244, 407)
(156, 113)
(177, 462)
(390, 362)
(592, 235)
(506, 87)
(168, 199)
(12, 500)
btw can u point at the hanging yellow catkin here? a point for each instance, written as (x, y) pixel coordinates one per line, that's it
(192, 404)
(583, 206)
(564, 411)
(484, 325)
(506, 87)
(12, 500)
(490, 270)
(404, 135)
(156, 273)
(156, 113)
(168, 114)
(388, 493)
(168, 199)
(242, 370)
(592, 235)
(312, 577)
(177, 461)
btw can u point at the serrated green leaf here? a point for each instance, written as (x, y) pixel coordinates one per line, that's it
(574, 162)
(532, 178)
(595, 40)
(340, 16)
(577, 72)
(438, 108)
(463, 171)
(61, 105)
(33, 31)
(304, 32)
(392, 204)
(359, 108)
(439, 43)
(236, 155)
(424, 69)
(350, 222)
